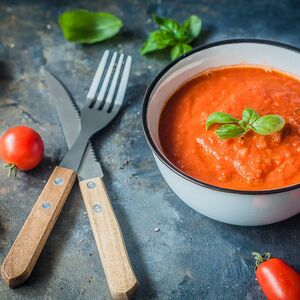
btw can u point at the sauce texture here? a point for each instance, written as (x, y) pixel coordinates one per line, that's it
(251, 162)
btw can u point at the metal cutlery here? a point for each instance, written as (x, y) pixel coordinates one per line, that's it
(96, 114)
(120, 277)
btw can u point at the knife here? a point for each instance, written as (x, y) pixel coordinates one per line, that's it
(107, 233)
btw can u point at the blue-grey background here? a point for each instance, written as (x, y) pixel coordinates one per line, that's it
(191, 256)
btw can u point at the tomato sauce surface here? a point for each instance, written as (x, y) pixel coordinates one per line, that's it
(250, 162)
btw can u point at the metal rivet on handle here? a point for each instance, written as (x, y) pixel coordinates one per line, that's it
(97, 208)
(91, 185)
(46, 205)
(58, 181)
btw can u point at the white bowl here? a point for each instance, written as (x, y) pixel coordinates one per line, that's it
(249, 208)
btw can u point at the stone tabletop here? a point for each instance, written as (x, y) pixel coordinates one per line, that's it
(176, 252)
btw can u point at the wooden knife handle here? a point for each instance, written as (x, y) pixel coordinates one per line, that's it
(29, 244)
(109, 239)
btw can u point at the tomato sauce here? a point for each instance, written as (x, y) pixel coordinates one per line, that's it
(250, 162)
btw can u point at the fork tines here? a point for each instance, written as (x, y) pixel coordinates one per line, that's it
(110, 80)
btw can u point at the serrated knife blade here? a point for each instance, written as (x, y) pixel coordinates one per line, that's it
(69, 117)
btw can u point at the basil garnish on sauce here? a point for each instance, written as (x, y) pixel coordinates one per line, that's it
(233, 127)
(268, 124)
(230, 130)
(220, 118)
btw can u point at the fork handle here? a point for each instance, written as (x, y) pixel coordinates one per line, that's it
(109, 239)
(30, 242)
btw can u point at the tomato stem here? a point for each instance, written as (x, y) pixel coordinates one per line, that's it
(260, 258)
(12, 170)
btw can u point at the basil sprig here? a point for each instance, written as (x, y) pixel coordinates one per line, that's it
(86, 27)
(172, 34)
(233, 127)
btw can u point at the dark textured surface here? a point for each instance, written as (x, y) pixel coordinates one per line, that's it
(191, 257)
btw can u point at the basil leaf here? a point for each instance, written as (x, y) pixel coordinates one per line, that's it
(83, 26)
(182, 36)
(249, 116)
(220, 117)
(229, 131)
(193, 26)
(179, 50)
(171, 33)
(242, 124)
(166, 24)
(268, 124)
(157, 40)
(174, 28)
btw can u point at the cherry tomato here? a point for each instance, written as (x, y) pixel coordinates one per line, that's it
(21, 147)
(278, 280)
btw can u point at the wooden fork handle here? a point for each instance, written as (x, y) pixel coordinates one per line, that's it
(109, 239)
(29, 244)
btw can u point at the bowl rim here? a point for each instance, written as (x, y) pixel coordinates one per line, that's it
(162, 158)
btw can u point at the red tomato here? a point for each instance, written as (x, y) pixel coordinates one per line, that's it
(278, 280)
(21, 147)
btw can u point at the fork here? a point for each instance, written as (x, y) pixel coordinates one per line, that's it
(96, 114)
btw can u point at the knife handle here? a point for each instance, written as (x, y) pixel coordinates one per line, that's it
(29, 244)
(109, 239)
